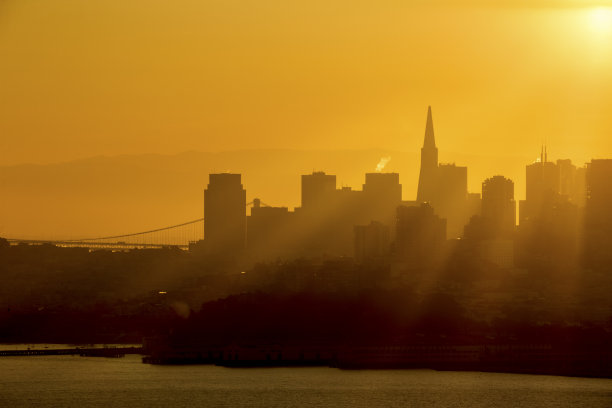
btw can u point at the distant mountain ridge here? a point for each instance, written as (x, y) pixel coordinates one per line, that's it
(118, 194)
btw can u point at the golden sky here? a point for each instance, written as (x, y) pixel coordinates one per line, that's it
(105, 77)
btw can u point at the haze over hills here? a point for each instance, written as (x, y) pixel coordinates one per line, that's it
(129, 193)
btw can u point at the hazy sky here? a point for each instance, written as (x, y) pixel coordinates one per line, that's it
(83, 78)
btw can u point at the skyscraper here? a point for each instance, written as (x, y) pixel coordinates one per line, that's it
(429, 164)
(542, 188)
(382, 193)
(549, 221)
(270, 232)
(598, 217)
(450, 200)
(383, 187)
(567, 177)
(498, 205)
(599, 188)
(572, 182)
(318, 190)
(420, 234)
(225, 214)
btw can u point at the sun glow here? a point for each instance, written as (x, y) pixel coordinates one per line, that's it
(600, 19)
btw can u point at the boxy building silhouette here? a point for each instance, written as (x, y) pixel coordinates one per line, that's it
(225, 215)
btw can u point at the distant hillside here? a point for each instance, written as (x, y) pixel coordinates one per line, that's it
(109, 195)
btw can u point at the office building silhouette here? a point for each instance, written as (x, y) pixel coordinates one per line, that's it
(382, 194)
(225, 215)
(420, 234)
(318, 190)
(598, 214)
(489, 236)
(450, 201)
(542, 188)
(498, 205)
(270, 232)
(550, 217)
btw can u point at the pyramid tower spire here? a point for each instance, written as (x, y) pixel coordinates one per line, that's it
(430, 140)
(429, 164)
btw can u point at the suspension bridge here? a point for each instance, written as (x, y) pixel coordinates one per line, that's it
(173, 236)
(178, 236)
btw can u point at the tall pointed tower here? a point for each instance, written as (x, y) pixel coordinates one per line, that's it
(429, 163)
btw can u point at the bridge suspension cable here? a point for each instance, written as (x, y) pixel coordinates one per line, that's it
(137, 233)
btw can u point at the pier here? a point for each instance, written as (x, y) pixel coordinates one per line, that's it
(84, 352)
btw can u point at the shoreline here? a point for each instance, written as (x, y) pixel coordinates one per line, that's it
(532, 360)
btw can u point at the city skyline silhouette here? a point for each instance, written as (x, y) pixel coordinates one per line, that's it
(431, 173)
